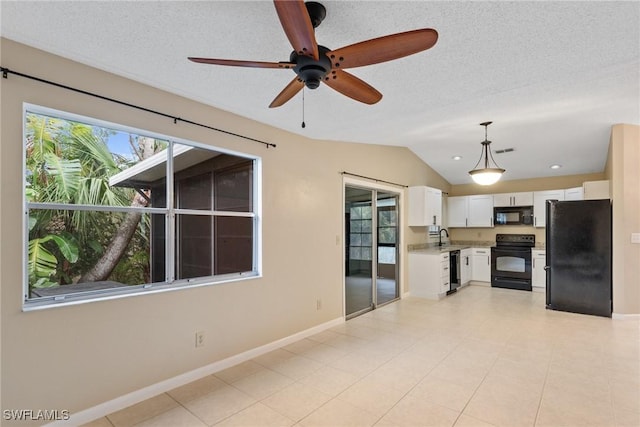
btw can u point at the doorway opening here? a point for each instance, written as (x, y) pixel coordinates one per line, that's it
(372, 242)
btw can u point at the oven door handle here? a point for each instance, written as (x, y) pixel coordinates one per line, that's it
(511, 250)
(513, 279)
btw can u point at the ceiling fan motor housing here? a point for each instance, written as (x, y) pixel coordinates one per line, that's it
(317, 12)
(310, 71)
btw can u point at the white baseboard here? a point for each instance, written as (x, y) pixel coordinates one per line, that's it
(137, 396)
(618, 316)
(479, 283)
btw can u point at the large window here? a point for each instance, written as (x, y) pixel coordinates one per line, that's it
(114, 211)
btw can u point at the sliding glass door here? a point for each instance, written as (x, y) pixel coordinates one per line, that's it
(371, 249)
(387, 248)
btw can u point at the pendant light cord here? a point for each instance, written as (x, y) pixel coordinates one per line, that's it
(303, 123)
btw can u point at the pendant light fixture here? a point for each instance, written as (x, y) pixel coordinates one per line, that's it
(487, 175)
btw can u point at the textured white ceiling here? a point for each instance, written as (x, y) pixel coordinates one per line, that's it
(552, 76)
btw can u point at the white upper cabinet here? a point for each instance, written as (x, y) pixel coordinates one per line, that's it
(480, 211)
(539, 205)
(513, 199)
(470, 211)
(425, 206)
(504, 199)
(574, 193)
(457, 208)
(434, 205)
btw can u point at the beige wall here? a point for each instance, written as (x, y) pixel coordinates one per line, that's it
(534, 184)
(623, 170)
(78, 356)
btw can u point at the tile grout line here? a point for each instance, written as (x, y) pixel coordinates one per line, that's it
(187, 409)
(368, 374)
(476, 390)
(422, 378)
(544, 384)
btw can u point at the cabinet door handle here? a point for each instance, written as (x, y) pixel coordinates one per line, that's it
(434, 220)
(534, 263)
(466, 222)
(488, 261)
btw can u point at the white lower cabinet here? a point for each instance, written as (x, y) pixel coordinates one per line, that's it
(465, 266)
(538, 274)
(429, 274)
(481, 264)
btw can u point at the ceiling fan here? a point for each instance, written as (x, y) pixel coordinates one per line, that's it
(314, 63)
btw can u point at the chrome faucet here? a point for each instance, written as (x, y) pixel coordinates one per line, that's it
(440, 235)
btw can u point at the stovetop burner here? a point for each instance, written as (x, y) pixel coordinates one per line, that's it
(521, 240)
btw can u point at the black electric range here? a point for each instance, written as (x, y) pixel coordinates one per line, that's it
(511, 261)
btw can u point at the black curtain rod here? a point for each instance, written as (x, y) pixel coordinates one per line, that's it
(6, 71)
(373, 179)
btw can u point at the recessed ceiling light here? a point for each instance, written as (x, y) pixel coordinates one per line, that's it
(555, 166)
(457, 157)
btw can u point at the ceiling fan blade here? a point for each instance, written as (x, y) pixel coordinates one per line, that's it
(297, 26)
(383, 49)
(351, 86)
(236, 63)
(287, 93)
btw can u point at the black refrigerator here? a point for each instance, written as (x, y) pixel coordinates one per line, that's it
(578, 256)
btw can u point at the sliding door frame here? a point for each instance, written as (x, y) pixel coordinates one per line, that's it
(348, 181)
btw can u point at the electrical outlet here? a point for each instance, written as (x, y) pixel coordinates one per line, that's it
(318, 304)
(200, 339)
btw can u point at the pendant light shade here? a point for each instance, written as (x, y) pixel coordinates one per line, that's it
(487, 175)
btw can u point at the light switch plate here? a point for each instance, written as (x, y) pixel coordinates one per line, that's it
(635, 238)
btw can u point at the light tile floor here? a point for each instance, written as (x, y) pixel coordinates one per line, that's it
(481, 357)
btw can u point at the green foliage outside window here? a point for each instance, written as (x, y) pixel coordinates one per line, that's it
(70, 163)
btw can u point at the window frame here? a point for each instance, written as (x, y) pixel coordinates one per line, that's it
(170, 283)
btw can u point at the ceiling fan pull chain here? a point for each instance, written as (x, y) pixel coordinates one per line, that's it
(303, 124)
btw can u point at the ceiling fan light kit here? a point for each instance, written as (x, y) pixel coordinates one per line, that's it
(487, 175)
(314, 63)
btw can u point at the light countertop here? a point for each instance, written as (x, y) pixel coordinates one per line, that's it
(455, 245)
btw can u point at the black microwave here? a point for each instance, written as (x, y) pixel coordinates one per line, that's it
(514, 215)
